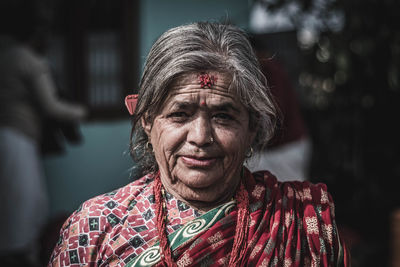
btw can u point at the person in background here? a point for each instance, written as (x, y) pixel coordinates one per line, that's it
(28, 97)
(288, 154)
(202, 108)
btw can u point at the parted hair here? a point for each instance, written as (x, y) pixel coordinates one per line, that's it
(199, 47)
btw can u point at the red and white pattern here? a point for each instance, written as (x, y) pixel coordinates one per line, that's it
(290, 224)
(112, 229)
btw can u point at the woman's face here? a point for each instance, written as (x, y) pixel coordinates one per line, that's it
(200, 138)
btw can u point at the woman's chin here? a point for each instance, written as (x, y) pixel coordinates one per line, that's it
(201, 197)
(201, 187)
(200, 179)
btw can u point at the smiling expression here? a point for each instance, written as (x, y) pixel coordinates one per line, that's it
(200, 138)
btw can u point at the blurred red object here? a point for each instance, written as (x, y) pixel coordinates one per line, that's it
(130, 103)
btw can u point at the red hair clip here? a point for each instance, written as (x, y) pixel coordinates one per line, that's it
(130, 103)
(207, 80)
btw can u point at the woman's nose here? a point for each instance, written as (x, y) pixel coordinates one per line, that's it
(200, 131)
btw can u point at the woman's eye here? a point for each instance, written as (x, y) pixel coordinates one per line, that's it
(179, 116)
(223, 117)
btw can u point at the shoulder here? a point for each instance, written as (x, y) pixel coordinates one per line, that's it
(314, 204)
(307, 192)
(28, 62)
(301, 201)
(98, 217)
(304, 211)
(119, 199)
(299, 191)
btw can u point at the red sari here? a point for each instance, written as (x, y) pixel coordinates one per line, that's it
(291, 224)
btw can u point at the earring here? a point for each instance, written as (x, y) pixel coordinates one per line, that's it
(250, 153)
(149, 146)
(211, 140)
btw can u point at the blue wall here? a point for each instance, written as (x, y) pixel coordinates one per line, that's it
(157, 16)
(101, 163)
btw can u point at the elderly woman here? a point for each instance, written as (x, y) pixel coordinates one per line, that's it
(203, 106)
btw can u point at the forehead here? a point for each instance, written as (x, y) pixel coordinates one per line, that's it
(195, 86)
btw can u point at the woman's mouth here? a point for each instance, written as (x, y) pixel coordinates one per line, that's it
(198, 162)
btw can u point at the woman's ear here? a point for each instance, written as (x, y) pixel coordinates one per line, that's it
(146, 125)
(253, 129)
(253, 134)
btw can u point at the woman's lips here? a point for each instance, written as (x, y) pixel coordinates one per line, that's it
(196, 162)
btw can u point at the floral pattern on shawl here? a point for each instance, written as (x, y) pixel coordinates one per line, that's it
(291, 224)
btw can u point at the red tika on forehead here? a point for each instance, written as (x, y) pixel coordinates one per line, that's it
(207, 80)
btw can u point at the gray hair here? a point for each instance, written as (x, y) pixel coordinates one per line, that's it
(202, 46)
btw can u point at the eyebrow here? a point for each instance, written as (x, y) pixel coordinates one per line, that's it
(224, 106)
(183, 105)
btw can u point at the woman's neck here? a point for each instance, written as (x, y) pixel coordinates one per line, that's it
(203, 206)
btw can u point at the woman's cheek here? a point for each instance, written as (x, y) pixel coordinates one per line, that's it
(170, 139)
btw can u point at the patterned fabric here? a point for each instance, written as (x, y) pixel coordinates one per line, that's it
(178, 238)
(292, 224)
(112, 229)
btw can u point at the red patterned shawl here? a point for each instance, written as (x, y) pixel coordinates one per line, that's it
(291, 224)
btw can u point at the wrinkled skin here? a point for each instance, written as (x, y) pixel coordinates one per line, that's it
(200, 138)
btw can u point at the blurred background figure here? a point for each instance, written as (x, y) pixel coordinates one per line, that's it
(28, 98)
(288, 154)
